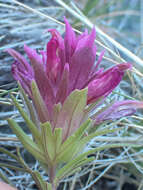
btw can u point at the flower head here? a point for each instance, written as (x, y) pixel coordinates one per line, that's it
(66, 65)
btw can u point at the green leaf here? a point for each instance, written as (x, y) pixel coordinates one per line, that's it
(33, 115)
(81, 159)
(71, 112)
(35, 132)
(72, 165)
(58, 139)
(82, 129)
(71, 146)
(5, 179)
(86, 139)
(98, 133)
(26, 141)
(39, 103)
(92, 106)
(77, 135)
(39, 180)
(3, 150)
(68, 154)
(56, 111)
(48, 141)
(103, 147)
(70, 172)
(11, 166)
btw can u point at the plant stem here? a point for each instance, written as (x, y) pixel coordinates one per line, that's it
(52, 173)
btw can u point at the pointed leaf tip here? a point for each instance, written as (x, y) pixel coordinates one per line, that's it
(72, 112)
(39, 103)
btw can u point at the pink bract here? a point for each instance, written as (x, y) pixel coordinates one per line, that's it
(66, 65)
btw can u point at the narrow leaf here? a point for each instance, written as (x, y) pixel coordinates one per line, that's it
(33, 115)
(68, 154)
(26, 141)
(3, 150)
(72, 165)
(72, 112)
(58, 139)
(39, 103)
(60, 177)
(35, 132)
(11, 166)
(98, 133)
(39, 180)
(103, 147)
(5, 178)
(48, 141)
(82, 129)
(77, 135)
(56, 111)
(71, 146)
(81, 159)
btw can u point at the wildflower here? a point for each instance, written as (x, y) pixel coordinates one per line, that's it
(63, 83)
(66, 65)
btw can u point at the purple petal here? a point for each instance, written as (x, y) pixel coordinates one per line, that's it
(21, 70)
(19, 58)
(55, 56)
(99, 60)
(40, 76)
(104, 84)
(63, 86)
(118, 110)
(82, 35)
(96, 72)
(52, 58)
(121, 68)
(80, 67)
(87, 42)
(70, 41)
(21, 75)
(82, 61)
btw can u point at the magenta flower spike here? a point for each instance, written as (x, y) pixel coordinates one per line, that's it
(66, 65)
